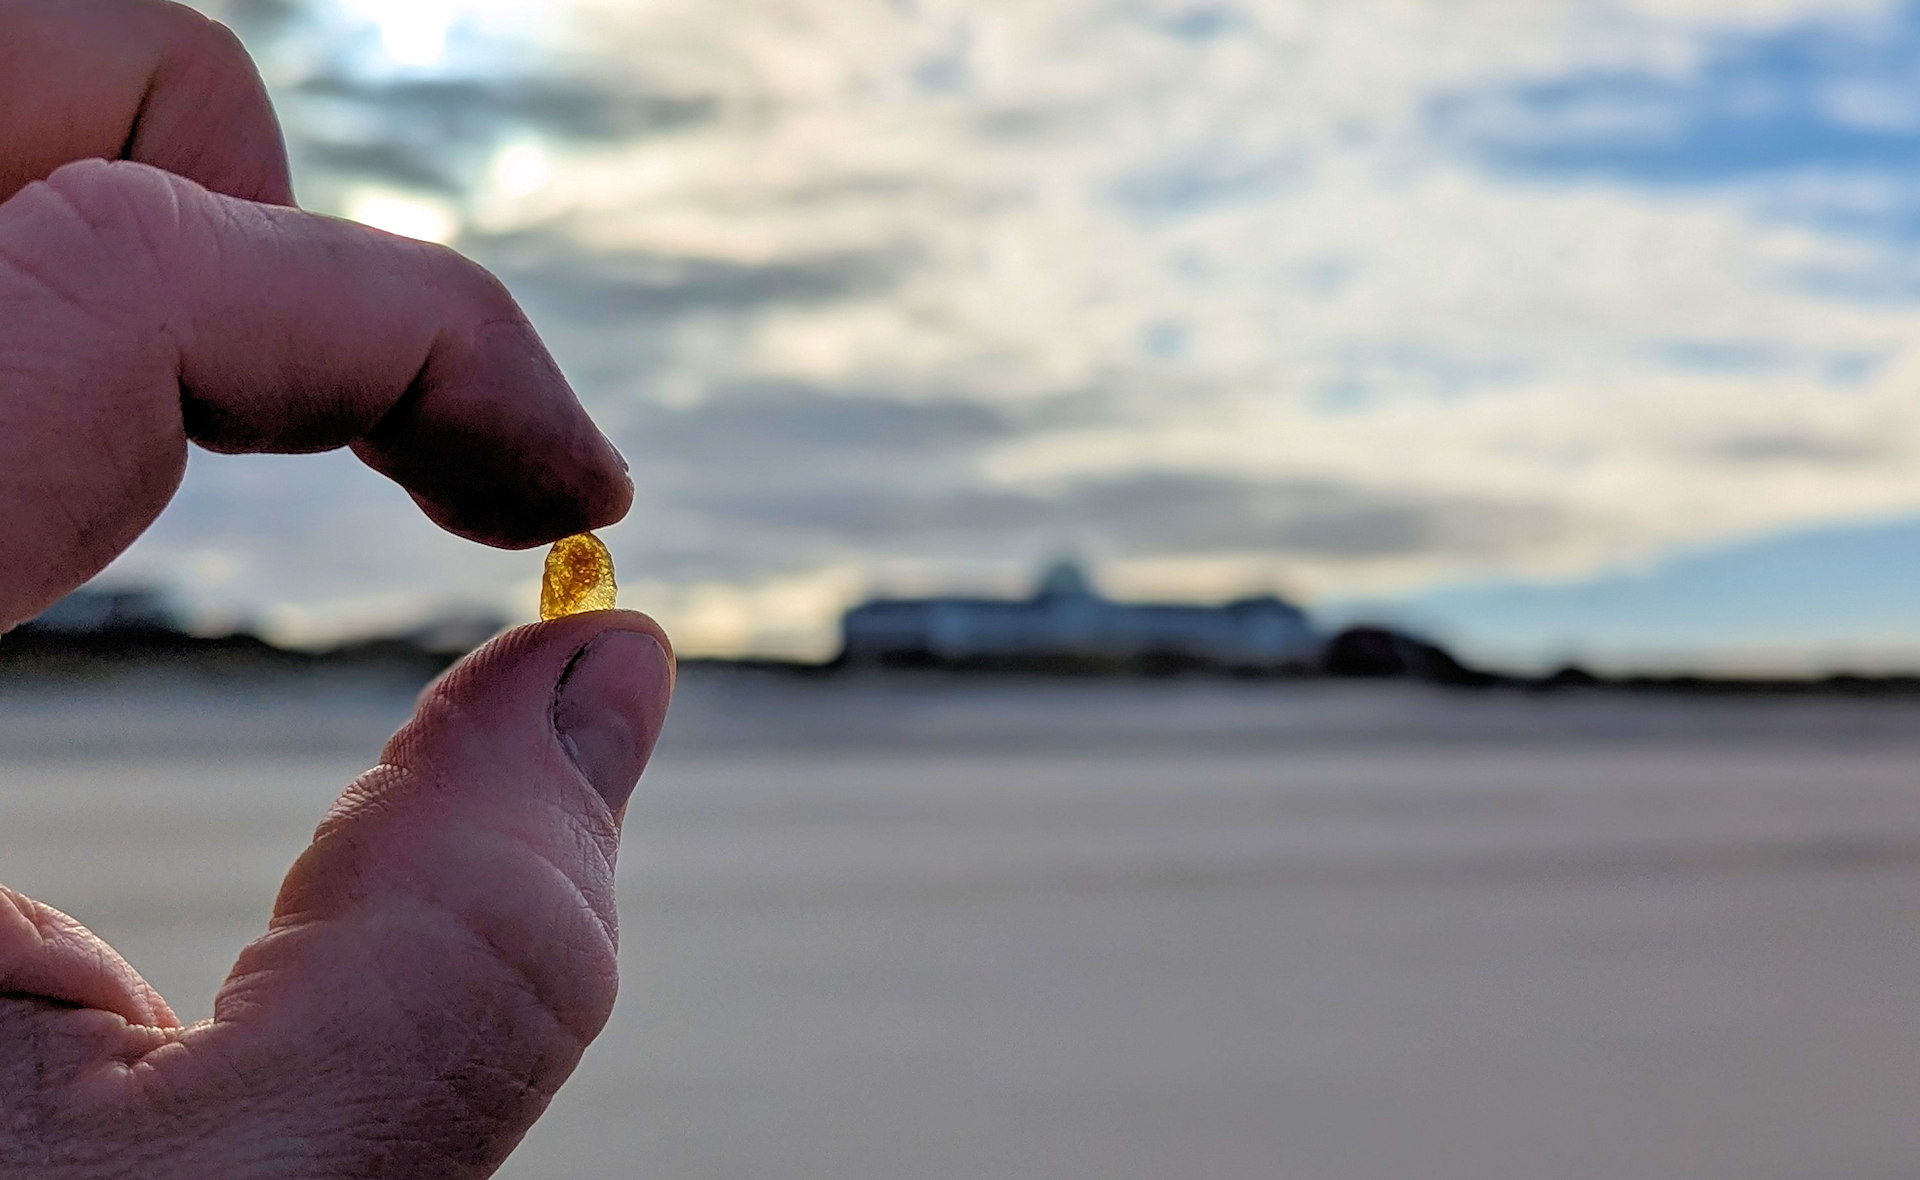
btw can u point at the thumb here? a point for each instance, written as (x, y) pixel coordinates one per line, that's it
(444, 951)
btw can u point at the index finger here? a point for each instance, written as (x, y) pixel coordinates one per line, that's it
(143, 80)
(139, 311)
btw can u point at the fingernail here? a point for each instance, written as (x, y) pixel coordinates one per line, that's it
(609, 707)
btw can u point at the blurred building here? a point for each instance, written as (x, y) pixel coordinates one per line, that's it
(457, 631)
(1066, 620)
(90, 611)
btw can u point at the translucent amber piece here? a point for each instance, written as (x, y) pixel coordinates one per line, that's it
(579, 577)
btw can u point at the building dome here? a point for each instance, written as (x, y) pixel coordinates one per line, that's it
(1065, 579)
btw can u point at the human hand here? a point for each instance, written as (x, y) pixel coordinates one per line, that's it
(441, 955)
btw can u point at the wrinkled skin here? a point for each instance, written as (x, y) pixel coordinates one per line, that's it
(443, 952)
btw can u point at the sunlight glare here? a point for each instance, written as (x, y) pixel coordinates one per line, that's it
(415, 34)
(437, 35)
(522, 169)
(411, 217)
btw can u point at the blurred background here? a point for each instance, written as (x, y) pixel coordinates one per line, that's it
(1513, 410)
(1567, 329)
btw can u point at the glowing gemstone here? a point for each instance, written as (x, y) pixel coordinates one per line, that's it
(579, 577)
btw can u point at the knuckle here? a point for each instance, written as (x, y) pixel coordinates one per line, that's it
(121, 204)
(471, 291)
(109, 228)
(469, 296)
(105, 189)
(487, 297)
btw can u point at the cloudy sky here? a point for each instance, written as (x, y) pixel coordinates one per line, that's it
(1561, 328)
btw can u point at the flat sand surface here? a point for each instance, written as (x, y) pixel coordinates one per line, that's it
(960, 930)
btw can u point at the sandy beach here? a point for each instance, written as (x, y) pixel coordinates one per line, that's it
(955, 930)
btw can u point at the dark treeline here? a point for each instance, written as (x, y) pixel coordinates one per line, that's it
(1356, 653)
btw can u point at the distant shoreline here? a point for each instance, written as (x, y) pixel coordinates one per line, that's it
(28, 654)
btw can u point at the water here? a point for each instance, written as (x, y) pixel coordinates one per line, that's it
(946, 929)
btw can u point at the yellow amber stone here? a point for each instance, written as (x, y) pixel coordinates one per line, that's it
(579, 577)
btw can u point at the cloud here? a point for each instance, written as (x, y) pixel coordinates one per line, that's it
(1162, 514)
(1196, 22)
(620, 287)
(779, 478)
(391, 162)
(1791, 448)
(1208, 177)
(438, 133)
(823, 499)
(745, 429)
(570, 108)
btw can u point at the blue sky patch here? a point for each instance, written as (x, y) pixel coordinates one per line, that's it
(1828, 96)
(1838, 587)
(1198, 22)
(1207, 178)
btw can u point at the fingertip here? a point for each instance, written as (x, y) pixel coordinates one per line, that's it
(535, 654)
(492, 442)
(507, 693)
(609, 707)
(617, 492)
